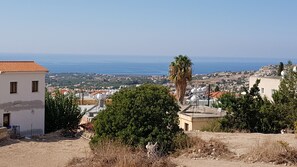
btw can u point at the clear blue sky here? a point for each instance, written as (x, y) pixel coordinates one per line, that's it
(209, 28)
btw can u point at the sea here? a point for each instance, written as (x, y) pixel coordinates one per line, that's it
(141, 65)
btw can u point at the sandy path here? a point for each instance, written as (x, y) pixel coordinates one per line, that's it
(54, 152)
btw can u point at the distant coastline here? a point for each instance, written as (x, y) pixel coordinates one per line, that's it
(139, 65)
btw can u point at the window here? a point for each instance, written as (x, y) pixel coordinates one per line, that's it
(186, 127)
(34, 86)
(262, 90)
(13, 87)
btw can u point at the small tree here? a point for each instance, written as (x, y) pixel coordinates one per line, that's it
(280, 68)
(217, 88)
(61, 112)
(139, 115)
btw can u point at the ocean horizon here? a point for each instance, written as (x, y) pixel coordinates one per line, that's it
(140, 65)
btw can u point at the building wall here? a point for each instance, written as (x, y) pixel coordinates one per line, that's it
(194, 123)
(26, 108)
(267, 85)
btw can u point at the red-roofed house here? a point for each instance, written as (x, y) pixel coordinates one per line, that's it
(22, 91)
(216, 95)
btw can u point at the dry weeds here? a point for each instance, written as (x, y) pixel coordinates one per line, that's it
(113, 154)
(213, 148)
(272, 152)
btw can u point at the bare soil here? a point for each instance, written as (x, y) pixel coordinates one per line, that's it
(240, 144)
(47, 151)
(53, 150)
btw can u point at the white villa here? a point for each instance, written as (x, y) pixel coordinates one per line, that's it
(22, 93)
(267, 85)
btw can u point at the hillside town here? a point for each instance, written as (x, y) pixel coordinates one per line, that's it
(148, 83)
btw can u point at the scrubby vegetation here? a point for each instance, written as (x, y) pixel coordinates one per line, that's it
(195, 147)
(139, 115)
(272, 152)
(109, 153)
(116, 154)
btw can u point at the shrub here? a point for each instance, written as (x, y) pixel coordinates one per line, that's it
(114, 154)
(273, 152)
(139, 115)
(199, 148)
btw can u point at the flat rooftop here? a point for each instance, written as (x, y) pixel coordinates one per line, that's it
(203, 115)
(202, 112)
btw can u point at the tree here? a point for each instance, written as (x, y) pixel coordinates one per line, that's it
(180, 71)
(61, 112)
(227, 100)
(243, 113)
(139, 115)
(285, 99)
(217, 88)
(280, 68)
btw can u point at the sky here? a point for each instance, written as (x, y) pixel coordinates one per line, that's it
(197, 28)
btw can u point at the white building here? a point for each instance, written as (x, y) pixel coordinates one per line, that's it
(267, 85)
(22, 92)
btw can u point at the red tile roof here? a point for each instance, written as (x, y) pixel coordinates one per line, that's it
(21, 66)
(217, 94)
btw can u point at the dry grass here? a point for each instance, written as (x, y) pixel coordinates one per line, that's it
(198, 148)
(272, 152)
(113, 154)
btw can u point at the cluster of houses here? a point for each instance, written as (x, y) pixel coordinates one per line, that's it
(22, 91)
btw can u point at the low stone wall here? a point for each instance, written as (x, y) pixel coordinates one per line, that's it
(3, 133)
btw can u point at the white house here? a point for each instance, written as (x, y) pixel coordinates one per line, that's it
(267, 85)
(22, 93)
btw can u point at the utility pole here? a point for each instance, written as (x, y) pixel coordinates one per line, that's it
(208, 97)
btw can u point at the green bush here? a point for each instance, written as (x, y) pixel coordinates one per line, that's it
(139, 115)
(61, 112)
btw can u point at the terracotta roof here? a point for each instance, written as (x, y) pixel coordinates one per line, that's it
(21, 66)
(217, 94)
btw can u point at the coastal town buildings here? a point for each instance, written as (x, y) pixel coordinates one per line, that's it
(267, 85)
(22, 97)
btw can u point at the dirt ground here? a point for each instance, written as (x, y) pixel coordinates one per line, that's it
(54, 151)
(239, 143)
(48, 151)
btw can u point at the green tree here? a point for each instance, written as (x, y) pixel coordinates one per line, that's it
(227, 100)
(243, 113)
(180, 71)
(285, 99)
(271, 119)
(139, 115)
(61, 112)
(280, 68)
(217, 88)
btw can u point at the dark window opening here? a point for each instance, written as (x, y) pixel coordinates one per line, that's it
(34, 86)
(6, 120)
(13, 87)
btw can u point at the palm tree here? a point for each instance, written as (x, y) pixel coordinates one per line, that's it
(180, 71)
